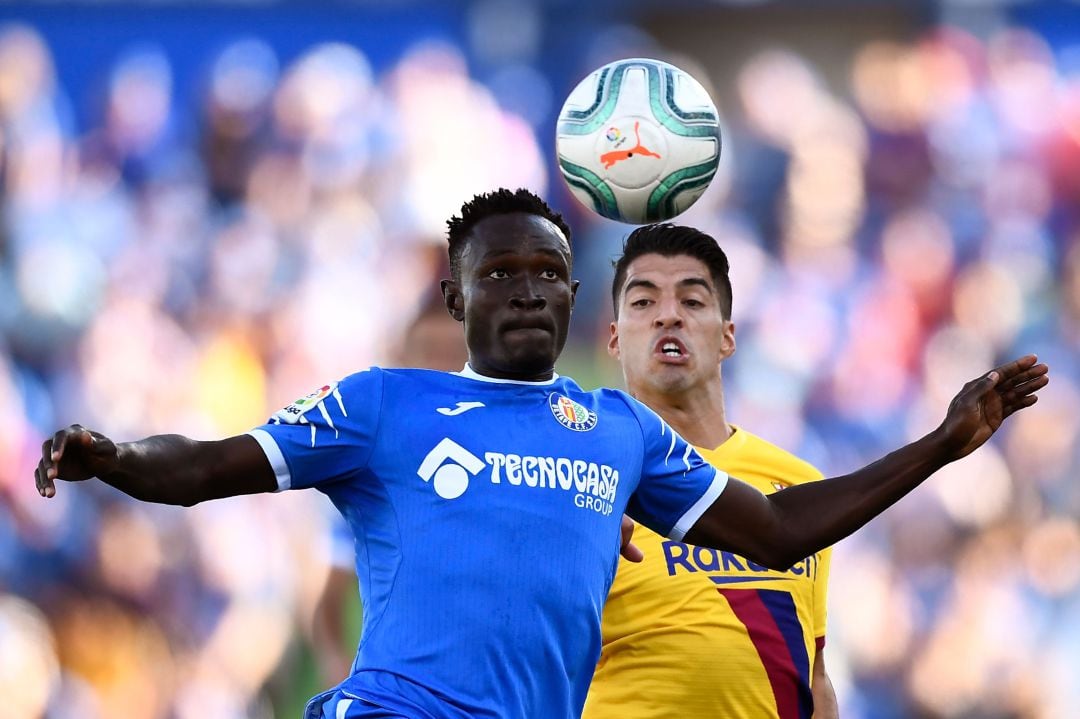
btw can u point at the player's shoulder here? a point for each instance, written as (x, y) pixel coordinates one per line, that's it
(376, 380)
(605, 399)
(414, 375)
(754, 449)
(616, 398)
(343, 394)
(614, 409)
(363, 381)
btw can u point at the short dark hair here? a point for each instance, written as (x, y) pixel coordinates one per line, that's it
(670, 240)
(500, 202)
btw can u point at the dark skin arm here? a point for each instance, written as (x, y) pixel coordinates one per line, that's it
(167, 469)
(172, 469)
(780, 529)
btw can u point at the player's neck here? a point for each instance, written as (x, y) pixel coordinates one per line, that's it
(493, 375)
(697, 414)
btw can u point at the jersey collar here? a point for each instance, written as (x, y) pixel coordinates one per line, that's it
(469, 373)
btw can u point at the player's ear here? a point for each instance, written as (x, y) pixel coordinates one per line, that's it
(613, 341)
(574, 284)
(452, 297)
(727, 340)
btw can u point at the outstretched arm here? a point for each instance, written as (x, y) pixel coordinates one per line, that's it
(169, 469)
(782, 528)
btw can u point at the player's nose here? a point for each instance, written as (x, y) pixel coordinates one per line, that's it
(537, 302)
(528, 297)
(667, 315)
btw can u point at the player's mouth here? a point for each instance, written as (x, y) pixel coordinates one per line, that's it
(671, 350)
(529, 326)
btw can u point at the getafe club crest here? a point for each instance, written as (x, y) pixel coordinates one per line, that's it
(570, 414)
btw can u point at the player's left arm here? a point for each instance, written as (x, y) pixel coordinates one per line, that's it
(782, 528)
(825, 706)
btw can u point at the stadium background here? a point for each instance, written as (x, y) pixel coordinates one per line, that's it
(210, 208)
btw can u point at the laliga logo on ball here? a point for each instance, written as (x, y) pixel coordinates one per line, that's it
(674, 128)
(608, 159)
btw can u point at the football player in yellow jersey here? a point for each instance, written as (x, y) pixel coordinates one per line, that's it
(695, 632)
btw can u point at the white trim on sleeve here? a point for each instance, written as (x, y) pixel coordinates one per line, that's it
(277, 459)
(693, 514)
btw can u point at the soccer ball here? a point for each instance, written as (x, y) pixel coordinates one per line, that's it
(638, 140)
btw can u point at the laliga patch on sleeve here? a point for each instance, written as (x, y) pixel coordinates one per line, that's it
(294, 413)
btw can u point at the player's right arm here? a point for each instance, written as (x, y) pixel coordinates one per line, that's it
(324, 437)
(167, 469)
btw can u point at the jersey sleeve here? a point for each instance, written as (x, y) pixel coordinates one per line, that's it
(326, 436)
(677, 485)
(821, 580)
(821, 595)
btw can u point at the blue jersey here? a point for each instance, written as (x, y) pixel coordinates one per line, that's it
(486, 515)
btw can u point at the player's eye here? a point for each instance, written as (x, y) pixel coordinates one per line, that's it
(693, 303)
(499, 274)
(642, 302)
(549, 274)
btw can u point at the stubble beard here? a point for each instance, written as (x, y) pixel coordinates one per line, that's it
(663, 381)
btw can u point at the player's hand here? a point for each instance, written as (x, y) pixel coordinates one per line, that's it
(73, 454)
(984, 403)
(628, 549)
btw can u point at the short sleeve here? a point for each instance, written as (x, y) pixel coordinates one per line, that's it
(326, 436)
(821, 592)
(677, 485)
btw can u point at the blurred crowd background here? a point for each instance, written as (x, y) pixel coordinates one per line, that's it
(207, 209)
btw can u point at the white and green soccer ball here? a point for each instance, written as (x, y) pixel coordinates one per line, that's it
(638, 141)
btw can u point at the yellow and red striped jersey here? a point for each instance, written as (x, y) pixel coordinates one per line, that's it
(695, 632)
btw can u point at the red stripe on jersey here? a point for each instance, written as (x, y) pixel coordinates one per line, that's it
(772, 647)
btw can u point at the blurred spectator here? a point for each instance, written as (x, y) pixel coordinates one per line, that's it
(892, 232)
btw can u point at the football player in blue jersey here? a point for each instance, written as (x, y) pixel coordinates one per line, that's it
(487, 503)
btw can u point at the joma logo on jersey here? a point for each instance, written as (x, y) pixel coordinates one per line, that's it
(449, 467)
(570, 414)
